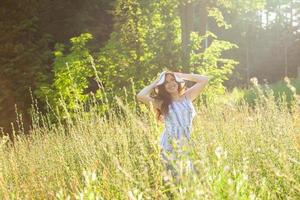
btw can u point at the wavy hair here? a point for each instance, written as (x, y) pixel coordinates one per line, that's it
(164, 96)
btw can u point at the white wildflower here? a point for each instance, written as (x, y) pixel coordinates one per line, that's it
(245, 176)
(226, 168)
(252, 196)
(219, 152)
(94, 176)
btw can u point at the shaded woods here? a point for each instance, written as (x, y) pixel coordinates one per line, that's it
(28, 33)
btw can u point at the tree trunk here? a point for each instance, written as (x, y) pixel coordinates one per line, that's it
(7, 101)
(247, 64)
(202, 22)
(186, 17)
(267, 18)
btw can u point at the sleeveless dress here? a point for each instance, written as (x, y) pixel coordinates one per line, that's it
(178, 124)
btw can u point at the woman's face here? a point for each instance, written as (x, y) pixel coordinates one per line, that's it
(170, 84)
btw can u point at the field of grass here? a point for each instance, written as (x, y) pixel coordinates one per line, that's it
(240, 152)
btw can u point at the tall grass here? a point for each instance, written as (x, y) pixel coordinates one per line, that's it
(240, 152)
(286, 88)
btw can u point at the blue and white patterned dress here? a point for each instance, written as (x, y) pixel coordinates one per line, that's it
(178, 124)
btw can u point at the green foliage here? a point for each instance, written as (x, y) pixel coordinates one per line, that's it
(28, 31)
(211, 63)
(71, 71)
(146, 39)
(218, 16)
(242, 7)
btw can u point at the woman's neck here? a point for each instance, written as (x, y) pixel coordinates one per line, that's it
(175, 96)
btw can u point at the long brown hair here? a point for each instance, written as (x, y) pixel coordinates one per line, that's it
(164, 96)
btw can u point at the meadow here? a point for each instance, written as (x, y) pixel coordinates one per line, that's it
(240, 151)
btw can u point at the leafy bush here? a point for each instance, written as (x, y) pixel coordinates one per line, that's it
(71, 70)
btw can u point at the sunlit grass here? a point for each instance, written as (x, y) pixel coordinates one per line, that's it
(240, 152)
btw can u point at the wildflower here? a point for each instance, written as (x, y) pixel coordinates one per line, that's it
(252, 196)
(94, 176)
(277, 173)
(219, 152)
(226, 168)
(245, 177)
(135, 194)
(286, 79)
(199, 193)
(254, 81)
(166, 178)
(130, 195)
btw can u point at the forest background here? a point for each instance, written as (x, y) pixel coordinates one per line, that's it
(53, 49)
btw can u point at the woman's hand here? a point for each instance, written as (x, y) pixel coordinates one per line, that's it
(144, 94)
(159, 77)
(178, 74)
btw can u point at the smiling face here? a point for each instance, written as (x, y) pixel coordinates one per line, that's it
(170, 84)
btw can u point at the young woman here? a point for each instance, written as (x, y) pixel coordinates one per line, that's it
(174, 103)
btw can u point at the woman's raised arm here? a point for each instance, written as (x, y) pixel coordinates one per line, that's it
(195, 90)
(144, 94)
